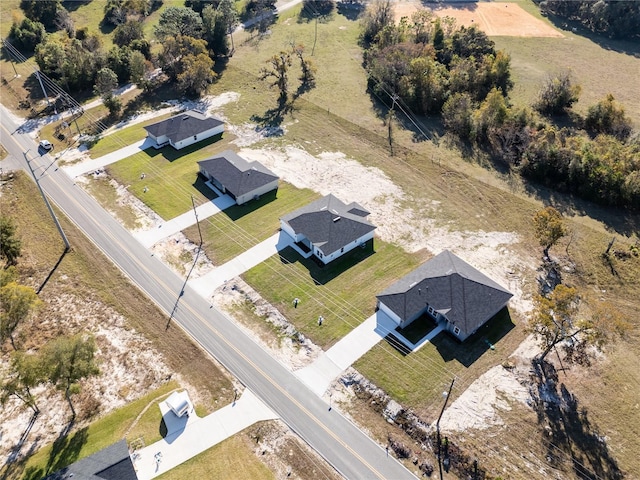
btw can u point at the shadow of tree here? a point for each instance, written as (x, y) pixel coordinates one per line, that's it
(351, 9)
(569, 430)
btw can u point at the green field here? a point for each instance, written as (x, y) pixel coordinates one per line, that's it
(240, 227)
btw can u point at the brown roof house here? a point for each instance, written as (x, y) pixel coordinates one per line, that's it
(184, 129)
(449, 290)
(327, 228)
(238, 178)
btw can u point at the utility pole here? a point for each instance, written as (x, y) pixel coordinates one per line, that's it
(446, 399)
(195, 212)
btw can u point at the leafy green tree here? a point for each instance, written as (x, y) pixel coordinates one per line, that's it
(8, 275)
(549, 228)
(377, 16)
(70, 360)
(113, 104)
(137, 67)
(27, 34)
(10, 244)
(438, 36)
(175, 51)
(43, 11)
(457, 115)
(26, 372)
(17, 302)
(196, 75)
(127, 32)
(199, 5)
(557, 95)
(608, 117)
(175, 21)
(215, 30)
(106, 82)
(491, 115)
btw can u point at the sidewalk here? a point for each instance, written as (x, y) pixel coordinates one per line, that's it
(91, 165)
(150, 237)
(196, 435)
(206, 284)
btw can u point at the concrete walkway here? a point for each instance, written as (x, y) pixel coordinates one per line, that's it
(324, 370)
(206, 284)
(194, 435)
(91, 165)
(187, 219)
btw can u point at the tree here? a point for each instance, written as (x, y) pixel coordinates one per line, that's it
(549, 228)
(377, 16)
(554, 320)
(43, 11)
(127, 32)
(228, 16)
(457, 115)
(16, 303)
(10, 244)
(137, 67)
(307, 69)
(113, 104)
(27, 34)
(557, 95)
(174, 52)
(106, 82)
(607, 116)
(197, 74)
(26, 372)
(215, 30)
(70, 360)
(278, 70)
(176, 21)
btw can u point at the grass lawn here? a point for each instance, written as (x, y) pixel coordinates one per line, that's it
(240, 227)
(230, 459)
(171, 176)
(343, 292)
(86, 441)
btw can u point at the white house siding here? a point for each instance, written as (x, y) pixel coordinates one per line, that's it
(257, 192)
(288, 230)
(347, 248)
(199, 137)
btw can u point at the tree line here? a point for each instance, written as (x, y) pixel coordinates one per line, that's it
(436, 68)
(614, 18)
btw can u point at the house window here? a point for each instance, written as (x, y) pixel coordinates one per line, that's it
(342, 250)
(456, 330)
(195, 137)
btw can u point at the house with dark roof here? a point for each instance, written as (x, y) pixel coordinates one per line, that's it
(110, 463)
(327, 228)
(448, 290)
(238, 178)
(184, 129)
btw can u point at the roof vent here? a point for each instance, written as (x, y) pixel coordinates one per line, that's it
(336, 219)
(413, 284)
(185, 117)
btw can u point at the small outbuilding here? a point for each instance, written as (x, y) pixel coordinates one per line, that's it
(238, 178)
(179, 403)
(448, 290)
(328, 228)
(184, 129)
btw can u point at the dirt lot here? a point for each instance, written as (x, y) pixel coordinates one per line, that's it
(495, 18)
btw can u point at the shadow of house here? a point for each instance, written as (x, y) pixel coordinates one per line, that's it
(172, 154)
(477, 344)
(449, 290)
(327, 228)
(241, 180)
(110, 463)
(236, 212)
(321, 273)
(184, 129)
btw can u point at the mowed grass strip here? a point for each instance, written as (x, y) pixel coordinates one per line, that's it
(240, 227)
(171, 176)
(343, 292)
(230, 459)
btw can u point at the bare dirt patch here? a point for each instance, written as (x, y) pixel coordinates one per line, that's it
(494, 18)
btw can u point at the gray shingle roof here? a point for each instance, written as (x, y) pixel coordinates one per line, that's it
(329, 224)
(452, 287)
(236, 174)
(184, 125)
(110, 463)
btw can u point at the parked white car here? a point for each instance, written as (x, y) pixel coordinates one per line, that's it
(46, 145)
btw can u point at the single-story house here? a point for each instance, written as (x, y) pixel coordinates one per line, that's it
(110, 463)
(328, 228)
(184, 129)
(449, 290)
(235, 176)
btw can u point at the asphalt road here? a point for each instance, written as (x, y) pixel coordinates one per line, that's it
(334, 437)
